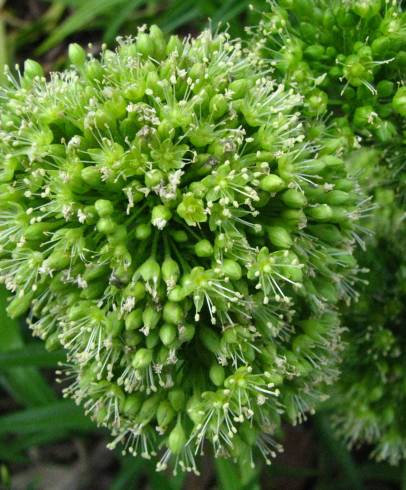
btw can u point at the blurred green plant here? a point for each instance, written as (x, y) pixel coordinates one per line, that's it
(103, 20)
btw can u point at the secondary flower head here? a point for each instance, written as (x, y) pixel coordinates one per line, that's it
(348, 58)
(170, 223)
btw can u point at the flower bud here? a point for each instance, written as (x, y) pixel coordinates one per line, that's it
(217, 374)
(173, 313)
(77, 55)
(142, 358)
(399, 101)
(177, 399)
(150, 270)
(132, 404)
(160, 216)
(294, 199)
(218, 106)
(177, 438)
(203, 248)
(231, 269)
(32, 69)
(104, 208)
(143, 231)
(320, 213)
(167, 333)
(165, 414)
(272, 183)
(279, 237)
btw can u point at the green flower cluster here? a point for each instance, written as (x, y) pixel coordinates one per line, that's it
(167, 219)
(349, 60)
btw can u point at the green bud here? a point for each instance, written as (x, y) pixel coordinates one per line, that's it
(218, 106)
(114, 325)
(150, 270)
(142, 358)
(143, 231)
(106, 226)
(385, 88)
(165, 414)
(153, 178)
(399, 101)
(104, 208)
(151, 316)
(272, 183)
(132, 404)
(19, 305)
(180, 236)
(160, 216)
(77, 55)
(167, 333)
(231, 269)
(173, 313)
(187, 332)
(203, 248)
(217, 374)
(148, 409)
(320, 213)
(177, 438)
(52, 343)
(328, 233)
(177, 294)
(294, 199)
(32, 69)
(152, 340)
(279, 237)
(177, 399)
(170, 272)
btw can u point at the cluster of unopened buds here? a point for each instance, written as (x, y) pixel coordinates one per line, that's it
(167, 219)
(348, 59)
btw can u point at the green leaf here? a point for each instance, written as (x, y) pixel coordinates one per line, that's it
(129, 474)
(229, 10)
(118, 20)
(340, 454)
(227, 475)
(86, 12)
(159, 480)
(14, 451)
(26, 385)
(179, 14)
(31, 355)
(55, 417)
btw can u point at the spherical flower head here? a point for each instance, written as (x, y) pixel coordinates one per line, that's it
(168, 221)
(349, 60)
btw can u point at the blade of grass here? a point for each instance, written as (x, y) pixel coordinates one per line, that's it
(3, 43)
(14, 451)
(129, 474)
(404, 477)
(159, 480)
(340, 454)
(227, 475)
(81, 18)
(180, 13)
(30, 355)
(26, 385)
(55, 417)
(229, 10)
(176, 22)
(119, 19)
